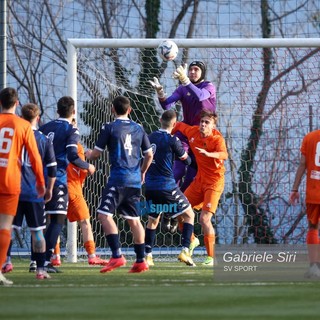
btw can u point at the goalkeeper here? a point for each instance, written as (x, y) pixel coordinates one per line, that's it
(195, 94)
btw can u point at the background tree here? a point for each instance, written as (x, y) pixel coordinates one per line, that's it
(252, 206)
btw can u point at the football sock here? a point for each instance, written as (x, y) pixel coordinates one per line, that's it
(5, 238)
(114, 244)
(209, 242)
(312, 236)
(40, 258)
(312, 241)
(90, 247)
(139, 250)
(186, 234)
(51, 237)
(57, 248)
(150, 237)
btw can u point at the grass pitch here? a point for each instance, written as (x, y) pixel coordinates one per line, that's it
(170, 290)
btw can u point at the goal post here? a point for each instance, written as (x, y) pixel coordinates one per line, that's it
(237, 68)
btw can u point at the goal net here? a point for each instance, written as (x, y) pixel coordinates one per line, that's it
(267, 100)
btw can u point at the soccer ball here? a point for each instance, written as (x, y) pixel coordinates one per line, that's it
(168, 50)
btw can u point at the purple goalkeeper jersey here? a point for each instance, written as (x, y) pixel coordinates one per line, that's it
(194, 98)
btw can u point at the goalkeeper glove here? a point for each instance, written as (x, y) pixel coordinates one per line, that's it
(158, 87)
(181, 74)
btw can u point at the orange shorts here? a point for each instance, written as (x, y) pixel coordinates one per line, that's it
(9, 204)
(77, 208)
(205, 195)
(313, 212)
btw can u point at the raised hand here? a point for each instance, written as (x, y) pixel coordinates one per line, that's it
(158, 87)
(181, 74)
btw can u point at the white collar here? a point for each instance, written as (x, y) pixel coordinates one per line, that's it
(164, 130)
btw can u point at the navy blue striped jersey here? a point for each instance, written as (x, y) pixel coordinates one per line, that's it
(124, 139)
(63, 135)
(165, 148)
(28, 179)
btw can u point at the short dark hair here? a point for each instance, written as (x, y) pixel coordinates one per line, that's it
(30, 111)
(210, 114)
(121, 105)
(65, 106)
(8, 97)
(167, 117)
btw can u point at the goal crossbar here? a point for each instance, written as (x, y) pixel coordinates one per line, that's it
(198, 43)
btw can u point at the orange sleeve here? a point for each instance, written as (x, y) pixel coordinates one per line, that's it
(182, 127)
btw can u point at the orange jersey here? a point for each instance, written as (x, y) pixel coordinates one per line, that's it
(310, 148)
(16, 133)
(76, 176)
(210, 170)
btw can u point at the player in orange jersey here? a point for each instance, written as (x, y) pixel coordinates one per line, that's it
(310, 163)
(78, 209)
(15, 134)
(209, 148)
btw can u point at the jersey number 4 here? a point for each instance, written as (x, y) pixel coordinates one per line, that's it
(128, 144)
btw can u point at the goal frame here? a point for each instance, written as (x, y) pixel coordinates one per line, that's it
(74, 44)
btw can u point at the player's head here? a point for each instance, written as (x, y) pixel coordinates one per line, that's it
(8, 98)
(168, 119)
(65, 107)
(121, 105)
(208, 121)
(197, 71)
(30, 111)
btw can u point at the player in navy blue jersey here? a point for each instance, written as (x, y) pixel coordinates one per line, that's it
(65, 139)
(125, 140)
(162, 192)
(30, 205)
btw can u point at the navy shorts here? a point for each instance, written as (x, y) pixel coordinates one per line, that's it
(34, 213)
(59, 201)
(173, 202)
(122, 200)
